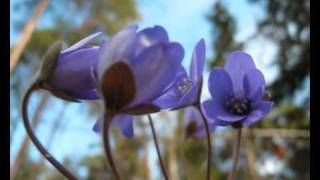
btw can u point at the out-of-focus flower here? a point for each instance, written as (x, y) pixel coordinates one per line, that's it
(72, 74)
(193, 122)
(186, 90)
(134, 69)
(237, 91)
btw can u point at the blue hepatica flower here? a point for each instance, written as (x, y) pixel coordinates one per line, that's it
(237, 91)
(186, 93)
(186, 90)
(134, 69)
(73, 71)
(193, 123)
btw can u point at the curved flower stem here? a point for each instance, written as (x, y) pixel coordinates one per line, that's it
(106, 143)
(35, 140)
(205, 122)
(236, 154)
(157, 148)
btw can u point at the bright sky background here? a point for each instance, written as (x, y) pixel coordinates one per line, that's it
(186, 22)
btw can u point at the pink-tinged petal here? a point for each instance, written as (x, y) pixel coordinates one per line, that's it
(262, 110)
(237, 65)
(120, 48)
(197, 61)
(150, 36)
(81, 43)
(122, 121)
(214, 110)
(155, 68)
(253, 82)
(220, 85)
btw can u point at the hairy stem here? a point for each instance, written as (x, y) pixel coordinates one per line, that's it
(157, 148)
(236, 154)
(35, 140)
(205, 122)
(106, 143)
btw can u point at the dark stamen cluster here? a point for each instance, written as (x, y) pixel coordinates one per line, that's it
(239, 106)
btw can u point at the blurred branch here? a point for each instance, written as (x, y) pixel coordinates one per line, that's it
(26, 34)
(25, 144)
(250, 154)
(269, 133)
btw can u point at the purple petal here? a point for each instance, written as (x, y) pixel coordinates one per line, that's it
(81, 43)
(73, 72)
(189, 97)
(180, 76)
(197, 61)
(151, 36)
(237, 65)
(214, 110)
(123, 121)
(253, 82)
(256, 115)
(119, 48)
(172, 94)
(87, 95)
(155, 68)
(220, 84)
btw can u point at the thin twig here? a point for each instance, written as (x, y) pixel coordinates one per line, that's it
(236, 154)
(157, 148)
(205, 122)
(26, 34)
(35, 140)
(106, 142)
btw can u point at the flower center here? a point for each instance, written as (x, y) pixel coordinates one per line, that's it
(238, 105)
(184, 85)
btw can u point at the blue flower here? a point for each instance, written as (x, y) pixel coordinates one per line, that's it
(237, 91)
(72, 74)
(186, 90)
(134, 69)
(193, 123)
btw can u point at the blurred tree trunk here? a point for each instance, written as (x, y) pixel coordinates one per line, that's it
(146, 161)
(26, 34)
(172, 159)
(25, 144)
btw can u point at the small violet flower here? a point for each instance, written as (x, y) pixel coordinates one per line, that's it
(186, 93)
(133, 70)
(237, 91)
(186, 90)
(72, 74)
(193, 122)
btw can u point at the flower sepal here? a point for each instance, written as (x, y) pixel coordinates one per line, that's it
(143, 109)
(58, 93)
(49, 62)
(46, 70)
